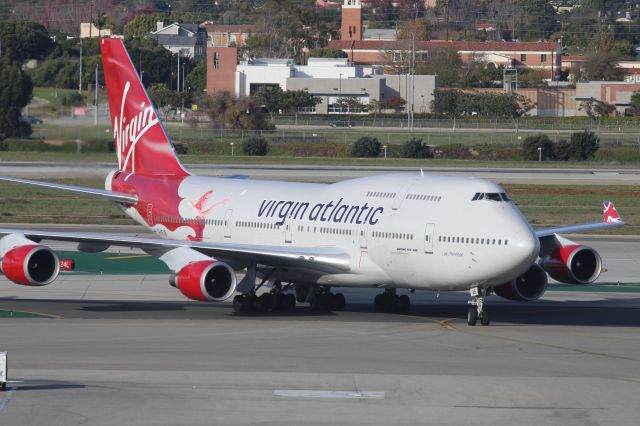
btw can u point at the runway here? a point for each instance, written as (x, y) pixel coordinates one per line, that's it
(328, 174)
(572, 359)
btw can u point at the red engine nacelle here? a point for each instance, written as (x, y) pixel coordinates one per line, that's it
(573, 264)
(31, 265)
(527, 287)
(205, 280)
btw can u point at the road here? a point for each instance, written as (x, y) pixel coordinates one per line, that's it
(315, 173)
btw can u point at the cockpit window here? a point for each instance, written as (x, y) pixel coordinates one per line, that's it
(491, 196)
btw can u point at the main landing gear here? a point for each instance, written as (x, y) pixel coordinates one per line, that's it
(389, 301)
(275, 300)
(324, 300)
(476, 307)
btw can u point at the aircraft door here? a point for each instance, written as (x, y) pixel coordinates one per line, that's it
(400, 196)
(150, 214)
(227, 223)
(428, 238)
(363, 237)
(287, 231)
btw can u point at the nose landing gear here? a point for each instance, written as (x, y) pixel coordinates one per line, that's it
(476, 307)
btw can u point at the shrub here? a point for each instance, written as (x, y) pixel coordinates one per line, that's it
(415, 148)
(532, 143)
(255, 146)
(583, 145)
(366, 147)
(562, 150)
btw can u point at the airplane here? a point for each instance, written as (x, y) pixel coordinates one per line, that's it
(399, 231)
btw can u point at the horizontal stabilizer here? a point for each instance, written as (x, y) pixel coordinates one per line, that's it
(119, 197)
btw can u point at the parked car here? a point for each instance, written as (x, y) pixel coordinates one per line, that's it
(342, 123)
(31, 119)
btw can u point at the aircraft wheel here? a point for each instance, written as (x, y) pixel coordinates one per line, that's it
(404, 303)
(239, 304)
(338, 301)
(379, 302)
(472, 315)
(265, 302)
(484, 319)
(289, 302)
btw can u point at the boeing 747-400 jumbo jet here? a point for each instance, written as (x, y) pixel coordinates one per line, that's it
(410, 231)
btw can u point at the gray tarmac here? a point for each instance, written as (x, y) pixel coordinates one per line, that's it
(131, 350)
(328, 174)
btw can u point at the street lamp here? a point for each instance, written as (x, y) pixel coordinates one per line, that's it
(231, 143)
(385, 150)
(539, 154)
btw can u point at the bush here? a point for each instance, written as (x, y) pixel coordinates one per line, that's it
(415, 148)
(255, 146)
(583, 145)
(366, 147)
(532, 143)
(562, 150)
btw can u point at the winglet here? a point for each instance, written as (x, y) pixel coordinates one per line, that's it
(610, 214)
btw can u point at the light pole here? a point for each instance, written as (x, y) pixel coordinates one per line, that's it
(539, 154)
(385, 150)
(231, 143)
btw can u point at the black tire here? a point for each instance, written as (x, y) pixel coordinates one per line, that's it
(265, 302)
(4, 386)
(239, 304)
(338, 302)
(484, 319)
(289, 302)
(404, 304)
(379, 302)
(472, 315)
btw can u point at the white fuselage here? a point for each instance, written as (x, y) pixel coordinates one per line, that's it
(405, 230)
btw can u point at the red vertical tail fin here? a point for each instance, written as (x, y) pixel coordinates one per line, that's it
(141, 142)
(609, 213)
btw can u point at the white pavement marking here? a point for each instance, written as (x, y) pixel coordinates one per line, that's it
(299, 393)
(5, 401)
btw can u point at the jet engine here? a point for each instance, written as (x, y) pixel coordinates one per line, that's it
(205, 280)
(33, 265)
(527, 287)
(573, 264)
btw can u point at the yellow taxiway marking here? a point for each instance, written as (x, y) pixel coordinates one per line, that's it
(134, 256)
(445, 324)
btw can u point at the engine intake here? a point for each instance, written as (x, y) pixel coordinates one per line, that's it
(32, 265)
(573, 264)
(205, 280)
(527, 287)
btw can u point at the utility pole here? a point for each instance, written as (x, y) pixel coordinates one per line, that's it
(95, 112)
(178, 83)
(80, 74)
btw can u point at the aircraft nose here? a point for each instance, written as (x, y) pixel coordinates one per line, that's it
(525, 246)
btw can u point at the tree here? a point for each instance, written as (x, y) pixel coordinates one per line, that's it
(396, 103)
(197, 78)
(537, 147)
(634, 104)
(296, 99)
(415, 148)
(603, 65)
(366, 147)
(271, 98)
(226, 110)
(583, 145)
(351, 104)
(597, 109)
(22, 40)
(15, 93)
(328, 52)
(143, 24)
(445, 63)
(255, 146)
(562, 150)
(418, 28)
(163, 98)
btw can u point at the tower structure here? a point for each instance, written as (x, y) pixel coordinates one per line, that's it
(351, 26)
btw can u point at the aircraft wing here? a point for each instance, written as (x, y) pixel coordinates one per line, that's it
(323, 259)
(610, 219)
